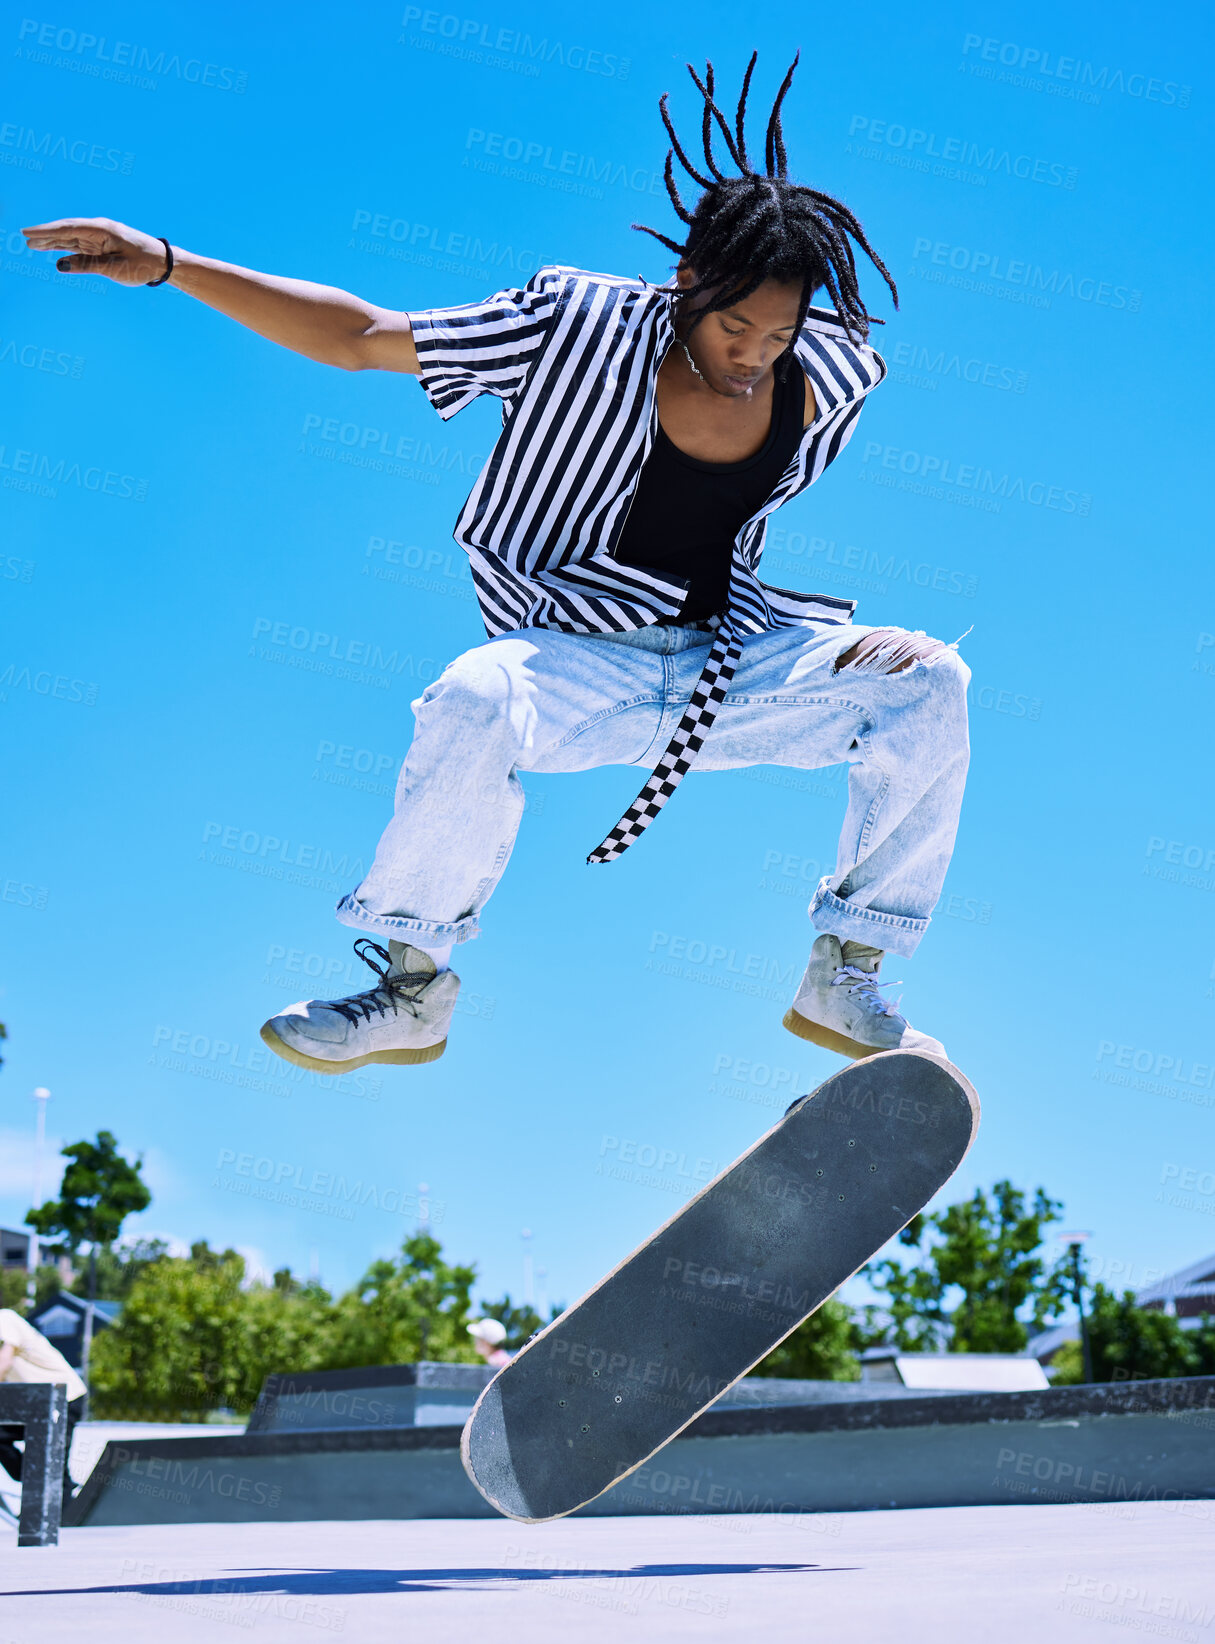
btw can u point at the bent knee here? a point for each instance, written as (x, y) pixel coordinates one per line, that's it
(945, 679)
(945, 683)
(474, 689)
(949, 667)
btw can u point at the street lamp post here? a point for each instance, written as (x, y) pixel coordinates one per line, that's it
(529, 1288)
(41, 1096)
(424, 1230)
(1075, 1242)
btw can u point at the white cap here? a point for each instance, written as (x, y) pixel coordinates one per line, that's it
(490, 1330)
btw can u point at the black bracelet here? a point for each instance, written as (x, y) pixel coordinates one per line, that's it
(169, 268)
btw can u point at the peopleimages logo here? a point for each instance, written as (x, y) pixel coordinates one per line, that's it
(39, 357)
(1182, 855)
(375, 444)
(320, 650)
(1182, 1070)
(1037, 62)
(889, 567)
(429, 239)
(973, 477)
(989, 269)
(41, 473)
(984, 157)
(19, 677)
(268, 846)
(34, 146)
(567, 167)
(473, 36)
(936, 361)
(117, 55)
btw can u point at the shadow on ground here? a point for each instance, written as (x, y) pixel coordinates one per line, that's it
(332, 1583)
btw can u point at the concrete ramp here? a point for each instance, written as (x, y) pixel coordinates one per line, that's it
(428, 1394)
(1112, 1444)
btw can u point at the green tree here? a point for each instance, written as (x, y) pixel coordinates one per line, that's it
(118, 1267)
(1133, 1343)
(416, 1307)
(285, 1327)
(191, 1338)
(100, 1189)
(14, 1287)
(1203, 1340)
(194, 1337)
(47, 1283)
(980, 1268)
(521, 1321)
(13, 1281)
(913, 1315)
(174, 1350)
(820, 1349)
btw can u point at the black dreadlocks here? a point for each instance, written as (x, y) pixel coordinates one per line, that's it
(760, 226)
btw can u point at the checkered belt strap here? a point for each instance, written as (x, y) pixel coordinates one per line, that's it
(677, 761)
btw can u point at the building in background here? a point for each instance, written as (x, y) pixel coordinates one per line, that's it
(61, 1320)
(15, 1246)
(14, 1249)
(1186, 1295)
(953, 1372)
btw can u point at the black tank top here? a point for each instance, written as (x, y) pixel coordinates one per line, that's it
(686, 514)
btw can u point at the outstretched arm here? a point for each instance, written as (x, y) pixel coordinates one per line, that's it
(319, 321)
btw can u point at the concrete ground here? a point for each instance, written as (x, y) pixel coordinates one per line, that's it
(978, 1575)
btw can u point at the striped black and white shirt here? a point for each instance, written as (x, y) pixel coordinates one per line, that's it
(574, 359)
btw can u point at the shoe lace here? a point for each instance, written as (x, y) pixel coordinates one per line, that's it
(396, 989)
(866, 984)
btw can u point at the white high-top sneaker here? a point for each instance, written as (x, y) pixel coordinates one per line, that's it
(403, 1018)
(839, 1006)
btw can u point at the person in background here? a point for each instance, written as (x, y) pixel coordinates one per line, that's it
(26, 1356)
(488, 1336)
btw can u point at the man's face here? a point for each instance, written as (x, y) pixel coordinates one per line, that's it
(735, 347)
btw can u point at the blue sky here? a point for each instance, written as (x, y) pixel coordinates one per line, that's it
(194, 779)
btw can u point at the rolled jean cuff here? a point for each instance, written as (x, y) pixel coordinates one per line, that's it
(400, 929)
(892, 932)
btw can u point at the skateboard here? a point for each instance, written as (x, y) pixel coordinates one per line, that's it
(593, 1395)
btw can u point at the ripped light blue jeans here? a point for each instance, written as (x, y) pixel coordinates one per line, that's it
(540, 700)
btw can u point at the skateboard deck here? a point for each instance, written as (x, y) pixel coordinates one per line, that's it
(593, 1395)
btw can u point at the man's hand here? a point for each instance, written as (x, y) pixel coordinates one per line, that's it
(124, 255)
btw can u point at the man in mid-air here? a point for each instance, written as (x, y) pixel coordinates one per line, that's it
(615, 536)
